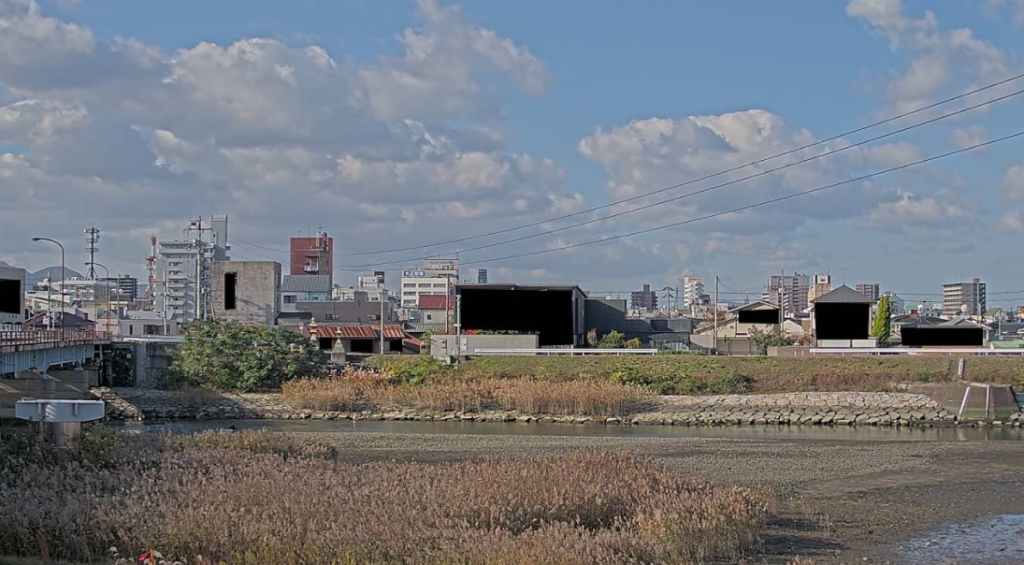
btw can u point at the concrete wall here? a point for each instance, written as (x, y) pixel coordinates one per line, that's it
(445, 345)
(358, 311)
(726, 345)
(257, 291)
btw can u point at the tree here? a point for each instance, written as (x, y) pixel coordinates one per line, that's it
(223, 355)
(612, 340)
(592, 338)
(772, 337)
(633, 343)
(882, 328)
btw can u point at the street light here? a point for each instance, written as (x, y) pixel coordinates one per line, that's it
(54, 241)
(107, 271)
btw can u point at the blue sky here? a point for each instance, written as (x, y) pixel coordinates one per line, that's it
(433, 122)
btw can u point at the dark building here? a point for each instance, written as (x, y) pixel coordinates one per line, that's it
(842, 314)
(645, 300)
(554, 312)
(127, 287)
(604, 315)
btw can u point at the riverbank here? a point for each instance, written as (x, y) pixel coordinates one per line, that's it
(813, 408)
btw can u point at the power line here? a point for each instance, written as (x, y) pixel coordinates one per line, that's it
(751, 206)
(714, 187)
(691, 181)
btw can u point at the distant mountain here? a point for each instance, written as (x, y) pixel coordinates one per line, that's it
(31, 279)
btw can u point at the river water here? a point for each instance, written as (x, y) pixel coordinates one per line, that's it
(810, 433)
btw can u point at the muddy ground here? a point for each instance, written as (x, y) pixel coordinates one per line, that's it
(840, 501)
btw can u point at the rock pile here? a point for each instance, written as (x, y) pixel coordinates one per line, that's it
(829, 409)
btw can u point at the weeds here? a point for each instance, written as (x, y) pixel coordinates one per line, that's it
(229, 497)
(356, 390)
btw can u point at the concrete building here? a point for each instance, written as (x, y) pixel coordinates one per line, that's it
(437, 311)
(360, 310)
(870, 290)
(127, 287)
(790, 291)
(645, 300)
(481, 276)
(442, 267)
(145, 322)
(304, 288)
(735, 326)
(248, 292)
(183, 270)
(820, 285)
(12, 295)
(312, 256)
(416, 283)
(373, 286)
(957, 295)
(604, 315)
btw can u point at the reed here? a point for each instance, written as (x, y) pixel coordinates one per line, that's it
(259, 498)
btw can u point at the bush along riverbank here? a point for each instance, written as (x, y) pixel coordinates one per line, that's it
(825, 409)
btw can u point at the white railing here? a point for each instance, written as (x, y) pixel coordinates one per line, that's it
(502, 351)
(913, 351)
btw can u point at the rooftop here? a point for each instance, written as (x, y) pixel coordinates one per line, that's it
(306, 283)
(843, 295)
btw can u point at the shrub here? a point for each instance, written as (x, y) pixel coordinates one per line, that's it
(612, 340)
(633, 344)
(224, 355)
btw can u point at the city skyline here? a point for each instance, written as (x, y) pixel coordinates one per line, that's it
(399, 124)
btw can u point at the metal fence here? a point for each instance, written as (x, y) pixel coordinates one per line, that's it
(49, 337)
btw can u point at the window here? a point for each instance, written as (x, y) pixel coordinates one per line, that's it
(331, 317)
(424, 285)
(438, 285)
(290, 298)
(408, 285)
(429, 318)
(230, 281)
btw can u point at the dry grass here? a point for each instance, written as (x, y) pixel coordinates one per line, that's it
(260, 498)
(356, 390)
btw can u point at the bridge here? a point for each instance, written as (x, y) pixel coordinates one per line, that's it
(46, 349)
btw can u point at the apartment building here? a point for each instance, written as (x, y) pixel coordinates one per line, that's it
(312, 255)
(820, 286)
(792, 292)
(957, 295)
(870, 290)
(183, 270)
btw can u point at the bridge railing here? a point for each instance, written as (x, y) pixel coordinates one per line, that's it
(50, 337)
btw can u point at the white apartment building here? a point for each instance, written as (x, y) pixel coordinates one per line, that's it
(183, 271)
(970, 294)
(416, 283)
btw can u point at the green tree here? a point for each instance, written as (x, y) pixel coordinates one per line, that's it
(223, 355)
(882, 328)
(612, 340)
(633, 343)
(772, 337)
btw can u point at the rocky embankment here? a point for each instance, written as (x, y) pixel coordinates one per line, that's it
(813, 408)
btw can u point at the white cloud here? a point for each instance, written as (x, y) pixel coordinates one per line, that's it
(962, 138)
(938, 55)
(1013, 182)
(1015, 6)
(1011, 223)
(914, 211)
(405, 149)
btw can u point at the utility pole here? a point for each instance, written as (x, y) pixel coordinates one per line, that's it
(382, 322)
(201, 294)
(782, 298)
(458, 326)
(447, 304)
(714, 312)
